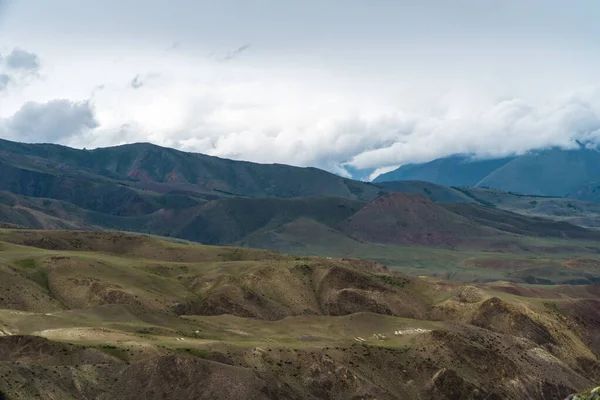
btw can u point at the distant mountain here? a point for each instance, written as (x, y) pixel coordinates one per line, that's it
(155, 190)
(588, 192)
(457, 170)
(552, 172)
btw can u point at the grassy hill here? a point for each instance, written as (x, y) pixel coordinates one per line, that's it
(117, 316)
(158, 191)
(330, 226)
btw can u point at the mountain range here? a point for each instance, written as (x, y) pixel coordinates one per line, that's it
(552, 172)
(335, 288)
(304, 211)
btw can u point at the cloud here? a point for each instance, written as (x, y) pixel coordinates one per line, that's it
(229, 111)
(4, 81)
(20, 59)
(382, 170)
(136, 82)
(235, 53)
(174, 46)
(53, 122)
(506, 128)
(18, 69)
(366, 88)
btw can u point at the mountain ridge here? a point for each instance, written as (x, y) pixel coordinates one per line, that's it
(549, 172)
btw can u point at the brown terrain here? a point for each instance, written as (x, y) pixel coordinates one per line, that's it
(90, 315)
(409, 219)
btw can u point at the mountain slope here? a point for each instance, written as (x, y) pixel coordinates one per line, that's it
(227, 221)
(457, 170)
(411, 220)
(552, 172)
(407, 219)
(434, 192)
(45, 170)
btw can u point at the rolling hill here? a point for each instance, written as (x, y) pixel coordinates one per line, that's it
(103, 316)
(54, 187)
(404, 219)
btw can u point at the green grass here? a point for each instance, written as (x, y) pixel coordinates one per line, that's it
(26, 263)
(393, 281)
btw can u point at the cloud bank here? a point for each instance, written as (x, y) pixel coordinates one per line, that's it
(53, 122)
(19, 59)
(347, 86)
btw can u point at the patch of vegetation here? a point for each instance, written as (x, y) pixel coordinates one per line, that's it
(26, 263)
(115, 351)
(199, 353)
(233, 255)
(552, 306)
(41, 278)
(472, 196)
(531, 195)
(393, 281)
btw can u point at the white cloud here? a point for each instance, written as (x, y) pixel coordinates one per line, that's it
(4, 81)
(19, 59)
(508, 127)
(55, 121)
(382, 170)
(337, 85)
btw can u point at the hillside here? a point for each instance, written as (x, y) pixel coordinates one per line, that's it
(587, 192)
(434, 192)
(411, 220)
(407, 219)
(552, 172)
(117, 316)
(54, 187)
(576, 212)
(124, 180)
(457, 170)
(230, 220)
(322, 226)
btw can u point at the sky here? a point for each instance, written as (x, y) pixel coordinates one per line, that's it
(351, 86)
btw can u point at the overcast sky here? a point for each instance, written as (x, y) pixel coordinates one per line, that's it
(343, 85)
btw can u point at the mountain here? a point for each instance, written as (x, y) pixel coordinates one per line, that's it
(587, 192)
(552, 172)
(96, 315)
(125, 179)
(457, 170)
(154, 190)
